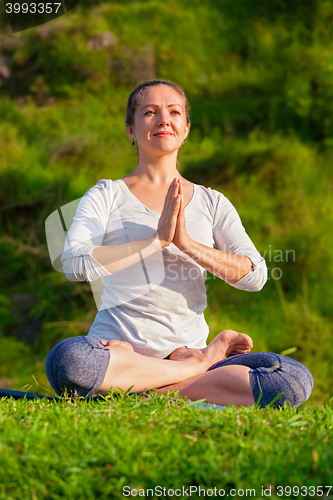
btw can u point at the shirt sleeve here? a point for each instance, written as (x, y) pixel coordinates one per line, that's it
(230, 237)
(87, 233)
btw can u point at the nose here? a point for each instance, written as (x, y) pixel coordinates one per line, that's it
(164, 117)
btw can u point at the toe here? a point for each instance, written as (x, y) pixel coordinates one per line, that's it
(248, 340)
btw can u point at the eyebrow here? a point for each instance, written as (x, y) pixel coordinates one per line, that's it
(157, 106)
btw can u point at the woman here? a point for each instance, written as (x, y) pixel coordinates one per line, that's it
(154, 235)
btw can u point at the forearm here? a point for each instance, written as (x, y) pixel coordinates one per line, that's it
(230, 268)
(116, 257)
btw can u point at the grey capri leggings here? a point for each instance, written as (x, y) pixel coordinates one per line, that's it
(272, 374)
(79, 365)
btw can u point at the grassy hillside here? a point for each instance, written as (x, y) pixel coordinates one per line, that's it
(258, 78)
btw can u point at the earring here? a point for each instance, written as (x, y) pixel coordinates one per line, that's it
(133, 142)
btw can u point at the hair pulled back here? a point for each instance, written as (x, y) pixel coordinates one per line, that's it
(136, 96)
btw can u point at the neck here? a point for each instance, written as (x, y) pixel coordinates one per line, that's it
(160, 171)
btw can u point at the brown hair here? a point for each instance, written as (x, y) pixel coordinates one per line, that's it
(134, 98)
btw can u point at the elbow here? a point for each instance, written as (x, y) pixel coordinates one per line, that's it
(259, 275)
(258, 287)
(81, 269)
(261, 281)
(72, 274)
(74, 277)
(74, 269)
(253, 281)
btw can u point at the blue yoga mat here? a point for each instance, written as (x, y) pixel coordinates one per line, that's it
(30, 395)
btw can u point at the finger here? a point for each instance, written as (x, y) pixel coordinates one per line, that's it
(167, 196)
(170, 189)
(181, 195)
(170, 214)
(172, 202)
(181, 213)
(177, 202)
(176, 189)
(181, 202)
(170, 196)
(180, 187)
(175, 209)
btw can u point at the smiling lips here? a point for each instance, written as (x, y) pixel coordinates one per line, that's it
(163, 134)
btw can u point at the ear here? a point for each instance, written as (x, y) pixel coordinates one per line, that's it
(130, 131)
(187, 130)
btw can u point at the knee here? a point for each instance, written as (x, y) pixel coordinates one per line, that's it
(290, 382)
(77, 365)
(302, 384)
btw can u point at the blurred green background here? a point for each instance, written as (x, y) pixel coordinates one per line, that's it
(258, 76)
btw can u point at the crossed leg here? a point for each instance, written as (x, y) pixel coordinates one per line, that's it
(223, 386)
(227, 385)
(241, 380)
(128, 368)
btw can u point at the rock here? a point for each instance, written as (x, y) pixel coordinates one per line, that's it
(4, 68)
(144, 64)
(71, 148)
(5, 383)
(9, 41)
(102, 41)
(131, 67)
(52, 28)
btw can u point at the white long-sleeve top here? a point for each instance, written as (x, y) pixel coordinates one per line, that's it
(156, 304)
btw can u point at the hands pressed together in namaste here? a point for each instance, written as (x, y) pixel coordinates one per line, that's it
(171, 226)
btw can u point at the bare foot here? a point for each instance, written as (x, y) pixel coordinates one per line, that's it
(114, 342)
(234, 342)
(226, 343)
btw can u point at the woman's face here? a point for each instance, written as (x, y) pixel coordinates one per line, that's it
(160, 124)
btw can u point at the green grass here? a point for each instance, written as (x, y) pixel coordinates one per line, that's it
(83, 449)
